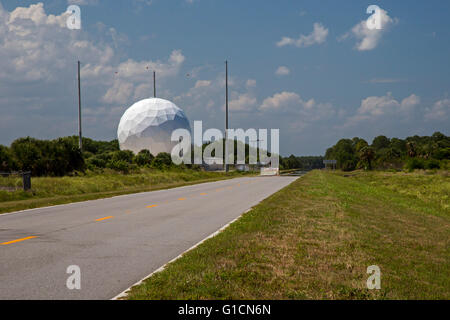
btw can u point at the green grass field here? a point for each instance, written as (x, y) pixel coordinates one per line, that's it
(48, 191)
(315, 239)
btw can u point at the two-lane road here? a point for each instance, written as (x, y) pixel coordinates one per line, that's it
(116, 241)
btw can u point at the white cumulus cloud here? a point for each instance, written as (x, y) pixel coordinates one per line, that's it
(281, 100)
(377, 106)
(386, 108)
(440, 111)
(83, 2)
(202, 83)
(368, 39)
(291, 104)
(250, 83)
(38, 58)
(244, 102)
(317, 36)
(282, 71)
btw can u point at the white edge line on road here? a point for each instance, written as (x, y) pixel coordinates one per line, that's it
(122, 195)
(124, 293)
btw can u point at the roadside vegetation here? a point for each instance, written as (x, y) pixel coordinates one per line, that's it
(315, 239)
(62, 157)
(61, 173)
(93, 185)
(301, 163)
(411, 153)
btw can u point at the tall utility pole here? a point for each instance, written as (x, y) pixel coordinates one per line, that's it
(226, 116)
(80, 143)
(154, 84)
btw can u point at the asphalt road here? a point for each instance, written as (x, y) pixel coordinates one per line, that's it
(116, 241)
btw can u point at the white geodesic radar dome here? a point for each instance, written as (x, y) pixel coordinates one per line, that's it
(148, 124)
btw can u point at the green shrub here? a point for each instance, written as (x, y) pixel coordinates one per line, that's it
(441, 154)
(415, 163)
(43, 157)
(123, 155)
(162, 160)
(87, 155)
(432, 164)
(96, 162)
(6, 159)
(143, 158)
(119, 165)
(105, 156)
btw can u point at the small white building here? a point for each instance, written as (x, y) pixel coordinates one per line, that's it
(213, 163)
(243, 167)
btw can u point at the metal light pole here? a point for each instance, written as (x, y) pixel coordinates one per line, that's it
(226, 116)
(154, 84)
(79, 109)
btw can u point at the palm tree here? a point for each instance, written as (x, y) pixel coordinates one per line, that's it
(411, 149)
(367, 154)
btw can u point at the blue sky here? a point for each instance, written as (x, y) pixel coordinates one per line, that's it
(328, 79)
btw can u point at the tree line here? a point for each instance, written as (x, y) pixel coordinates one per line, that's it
(62, 156)
(416, 152)
(301, 163)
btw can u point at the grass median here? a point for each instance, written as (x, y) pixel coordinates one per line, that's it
(315, 239)
(47, 191)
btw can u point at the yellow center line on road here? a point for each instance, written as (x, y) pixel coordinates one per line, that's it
(181, 199)
(203, 194)
(105, 218)
(152, 206)
(17, 240)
